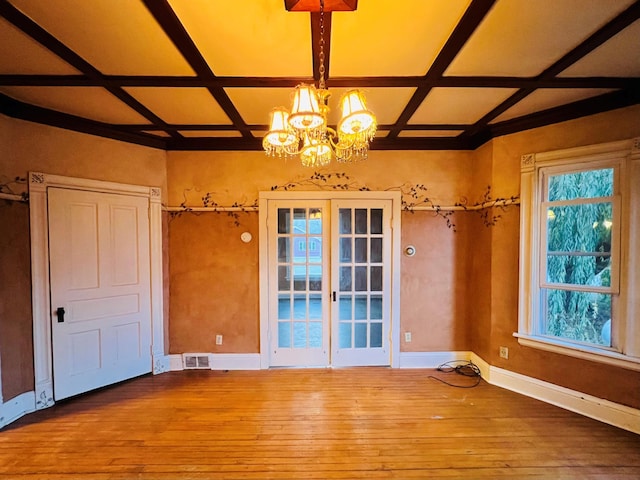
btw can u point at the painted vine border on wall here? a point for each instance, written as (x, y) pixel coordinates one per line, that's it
(413, 196)
(8, 187)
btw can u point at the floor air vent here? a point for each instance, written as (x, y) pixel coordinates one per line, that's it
(191, 361)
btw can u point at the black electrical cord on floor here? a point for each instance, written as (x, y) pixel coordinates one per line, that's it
(461, 367)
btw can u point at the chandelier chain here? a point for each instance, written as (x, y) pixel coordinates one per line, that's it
(321, 68)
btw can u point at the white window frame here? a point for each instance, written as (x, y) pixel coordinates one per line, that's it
(625, 335)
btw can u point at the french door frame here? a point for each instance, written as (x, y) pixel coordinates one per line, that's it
(41, 288)
(263, 209)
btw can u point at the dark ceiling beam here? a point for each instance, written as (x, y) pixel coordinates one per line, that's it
(43, 37)
(335, 82)
(24, 111)
(239, 144)
(472, 17)
(170, 23)
(581, 108)
(613, 27)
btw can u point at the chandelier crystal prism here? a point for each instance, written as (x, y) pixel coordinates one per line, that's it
(303, 130)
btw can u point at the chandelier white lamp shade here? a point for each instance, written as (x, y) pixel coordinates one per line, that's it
(304, 131)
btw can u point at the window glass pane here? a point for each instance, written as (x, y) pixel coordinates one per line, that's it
(299, 220)
(284, 307)
(345, 249)
(284, 220)
(580, 316)
(345, 308)
(375, 334)
(283, 249)
(361, 220)
(299, 335)
(315, 278)
(376, 279)
(315, 307)
(300, 278)
(376, 220)
(284, 279)
(344, 334)
(284, 335)
(375, 307)
(361, 307)
(587, 184)
(361, 279)
(315, 334)
(376, 250)
(299, 250)
(299, 307)
(579, 244)
(361, 250)
(345, 279)
(345, 220)
(360, 336)
(315, 221)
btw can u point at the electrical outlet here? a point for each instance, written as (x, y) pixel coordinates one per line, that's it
(407, 337)
(218, 339)
(504, 352)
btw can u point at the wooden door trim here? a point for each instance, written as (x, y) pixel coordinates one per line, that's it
(40, 286)
(396, 202)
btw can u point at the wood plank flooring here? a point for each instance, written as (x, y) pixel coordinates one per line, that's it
(364, 423)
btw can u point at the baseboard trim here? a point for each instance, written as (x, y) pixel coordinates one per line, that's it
(599, 409)
(17, 407)
(222, 361)
(430, 359)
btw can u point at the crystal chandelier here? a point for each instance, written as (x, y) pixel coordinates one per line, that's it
(303, 130)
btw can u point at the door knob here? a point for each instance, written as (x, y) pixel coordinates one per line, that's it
(60, 314)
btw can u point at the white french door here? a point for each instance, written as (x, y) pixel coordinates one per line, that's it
(329, 276)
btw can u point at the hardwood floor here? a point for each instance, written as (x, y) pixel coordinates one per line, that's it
(311, 424)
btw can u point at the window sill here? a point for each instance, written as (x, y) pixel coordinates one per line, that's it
(579, 351)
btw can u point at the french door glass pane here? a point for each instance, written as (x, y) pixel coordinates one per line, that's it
(361, 273)
(299, 254)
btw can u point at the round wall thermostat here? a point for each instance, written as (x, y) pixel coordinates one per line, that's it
(409, 250)
(246, 237)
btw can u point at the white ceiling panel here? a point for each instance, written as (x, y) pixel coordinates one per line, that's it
(181, 105)
(23, 55)
(258, 38)
(524, 37)
(255, 104)
(93, 103)
(430, 133)
(384, 37)
(545, 98)
(119, 37)
(619, 57)
(386, 103)
(210, 133)
(458, 105)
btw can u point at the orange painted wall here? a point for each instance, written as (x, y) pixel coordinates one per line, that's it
(214, 276)
(615, 384)
(16, 347)
(25, 147)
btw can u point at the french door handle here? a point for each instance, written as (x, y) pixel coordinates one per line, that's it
(60, 313)
(334, 296)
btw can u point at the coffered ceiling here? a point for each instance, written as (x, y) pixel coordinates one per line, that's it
(204, 74)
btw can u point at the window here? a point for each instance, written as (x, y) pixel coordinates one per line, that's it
(579, 253)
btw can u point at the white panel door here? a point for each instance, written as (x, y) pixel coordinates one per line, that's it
(100, 289)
